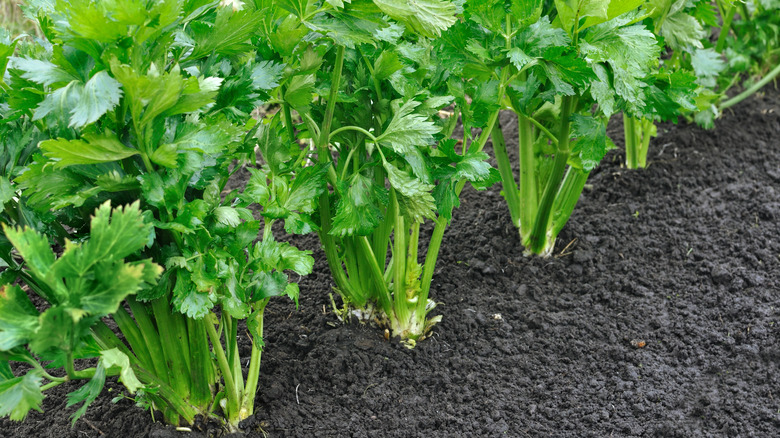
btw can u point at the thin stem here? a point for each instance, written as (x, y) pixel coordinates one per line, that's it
(434, 244)
(323, 152)
(725, 29)
(544, 130)
(757, 86)
(51, 385)
(354, 128)
(288, 117)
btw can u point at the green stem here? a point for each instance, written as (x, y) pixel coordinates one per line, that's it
(538, 241)
(323, 152)
(288, 117)
(176, 402)
(725, 29)
(567, 198)
(232, 413)
(541, 127)
(647, 129)
(151, 338)
(529, 192)
(414, 241)
(632, 143)
(253, 375)
(133, 336)
(400, 305)
(757, 86)
(51, 385)
(234, 359)
(385, 299)
(201, 366)
(511, 191)
(172, 344)
(434, 244)
(106, 340)
(381, 236)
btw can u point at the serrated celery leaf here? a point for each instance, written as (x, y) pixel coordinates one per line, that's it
(189, 300)
(452, 51)
(7, 191)
(272, 284)
(359, 209)
(115, 283)
(386, 64)
(100, 94)
(20, 395)
(414, 196)
(297, 223)
(681, 31)
(349, 26)
(151, 94)
(61, 102)
(571, 11)
(196, 94)
(308, 184)
(234, 297)
(445, 197)
(540, 36)
(266, 75)
(18, 317)
(112, 237)
(49, 188)
(591, 142)
(293, 259)
(34, 249)
(616, 8)
(565, 70)
(115, 358)
(94, 148)
(707, 64)
(426, 17)
(40, 72)
(299, 92)
(407, 130)
(230, 34)
(632, 48)
(87, 393)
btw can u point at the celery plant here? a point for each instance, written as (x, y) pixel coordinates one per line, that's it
(698, 74)
(148, 105)
(567, 68)
(374, 128)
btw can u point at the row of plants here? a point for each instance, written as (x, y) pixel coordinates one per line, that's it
(123, 125)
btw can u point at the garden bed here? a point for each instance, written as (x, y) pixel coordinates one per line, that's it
(658, 316)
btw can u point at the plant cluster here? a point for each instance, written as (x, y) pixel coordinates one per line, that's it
(121, 129)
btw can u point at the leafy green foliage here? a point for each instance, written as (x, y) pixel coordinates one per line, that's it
(19, 395)
(147, 105)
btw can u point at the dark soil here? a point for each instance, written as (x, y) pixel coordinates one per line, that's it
(657, 317)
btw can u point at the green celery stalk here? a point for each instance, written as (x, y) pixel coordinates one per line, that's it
(540, 241)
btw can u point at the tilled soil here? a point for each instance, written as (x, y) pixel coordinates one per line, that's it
(657, 317)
